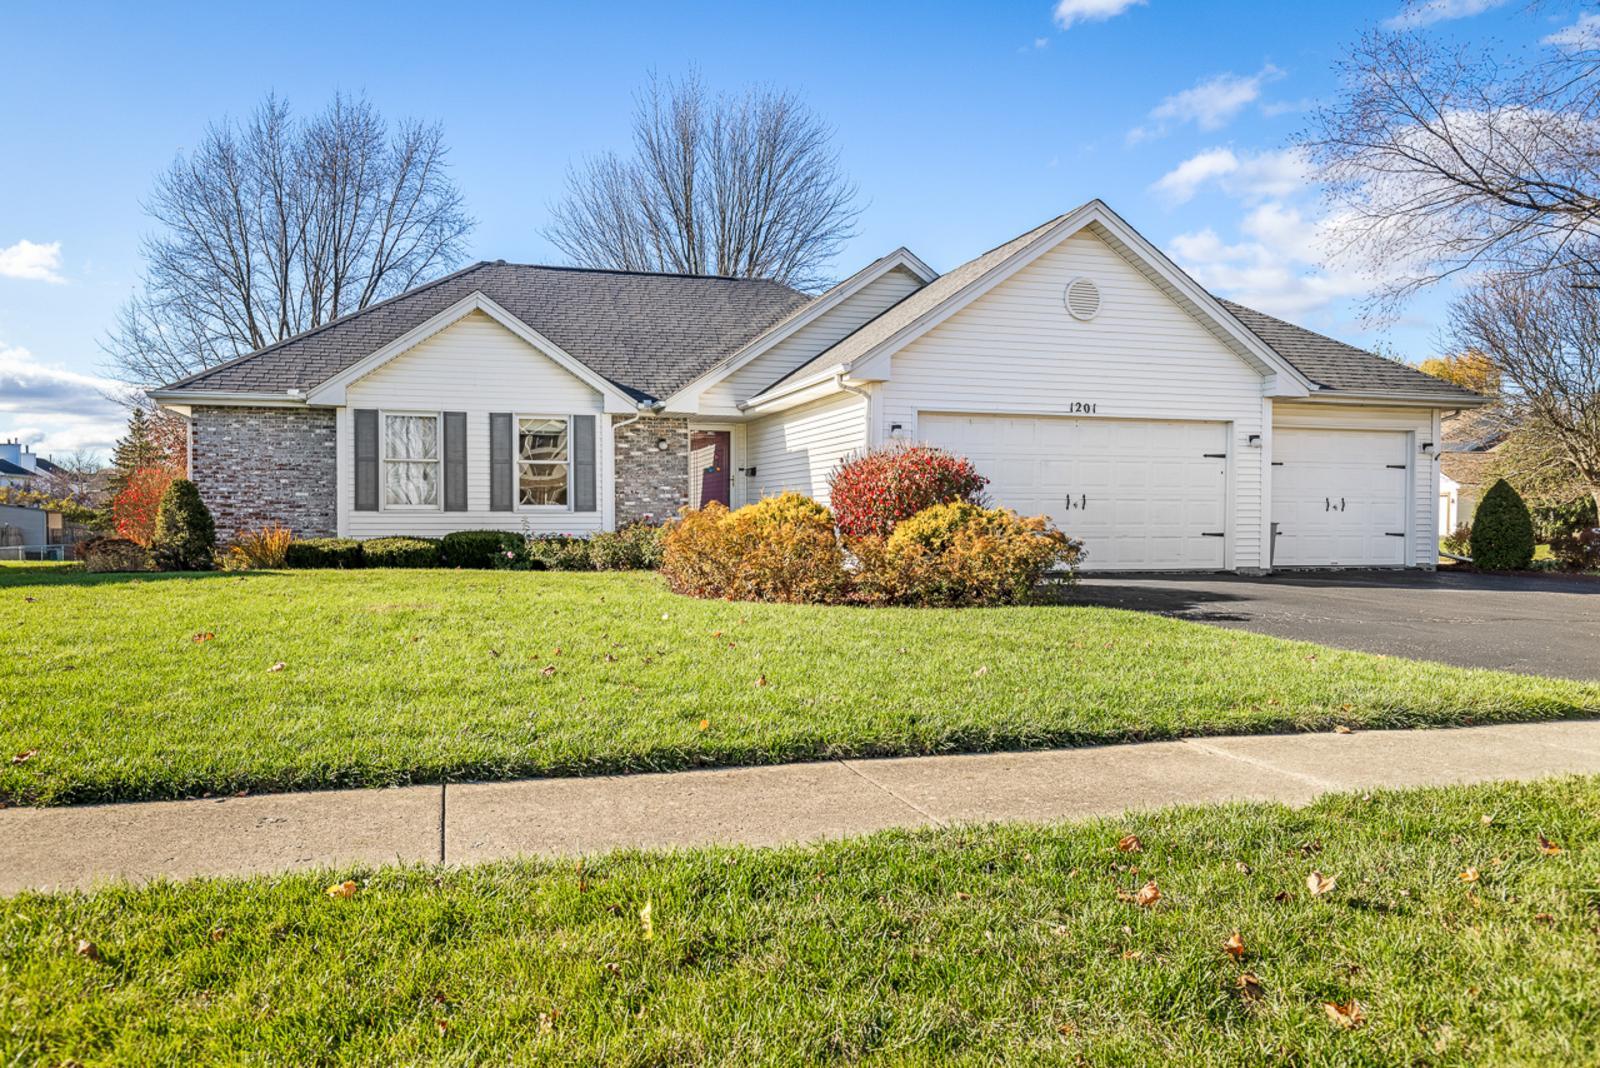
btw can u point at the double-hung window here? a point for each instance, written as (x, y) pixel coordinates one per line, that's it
(411, 461)
(544, 462)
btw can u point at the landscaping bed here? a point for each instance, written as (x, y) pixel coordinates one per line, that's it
(163, 686)
(1452, 926)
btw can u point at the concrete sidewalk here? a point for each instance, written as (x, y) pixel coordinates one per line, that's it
(460, 824)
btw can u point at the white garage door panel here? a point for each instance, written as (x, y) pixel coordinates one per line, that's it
(1140, 495)
(1340, 497)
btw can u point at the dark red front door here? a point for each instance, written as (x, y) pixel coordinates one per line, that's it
(709, 477)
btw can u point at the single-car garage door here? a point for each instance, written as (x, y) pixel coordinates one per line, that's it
(1141, 495)
(1340, 497)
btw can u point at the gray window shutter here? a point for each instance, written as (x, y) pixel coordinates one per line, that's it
(583, 469)
(501, 467)
(366, 459)
(455, 461)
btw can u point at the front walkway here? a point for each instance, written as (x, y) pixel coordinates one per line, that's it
(466, 823)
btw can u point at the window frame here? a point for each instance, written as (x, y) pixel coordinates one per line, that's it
(384, 460)
(517, 461)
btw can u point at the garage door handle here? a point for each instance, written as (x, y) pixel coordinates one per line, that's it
(1394, 534)
(1327, 505)
(1341, 504)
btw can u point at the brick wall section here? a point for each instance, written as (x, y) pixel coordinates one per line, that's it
(651, 481)
(256, 466)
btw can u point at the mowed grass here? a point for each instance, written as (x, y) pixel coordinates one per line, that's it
(405, 676)
(972, 945)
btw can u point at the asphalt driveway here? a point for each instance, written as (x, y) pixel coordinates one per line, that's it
(1534, 624)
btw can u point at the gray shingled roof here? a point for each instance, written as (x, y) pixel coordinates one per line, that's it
(1337, 366)
(647, 333)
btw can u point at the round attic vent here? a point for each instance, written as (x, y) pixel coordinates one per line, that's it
(1083, 299)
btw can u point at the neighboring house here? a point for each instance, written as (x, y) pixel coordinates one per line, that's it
(1466, 463)
(31, 533)
(20, 468)
(1083, 372)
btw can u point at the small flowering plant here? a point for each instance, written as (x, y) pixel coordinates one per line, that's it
(872, 493)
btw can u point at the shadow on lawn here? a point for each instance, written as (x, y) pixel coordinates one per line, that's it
(52, 577)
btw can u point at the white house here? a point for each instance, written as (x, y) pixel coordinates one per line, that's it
(1086, 375)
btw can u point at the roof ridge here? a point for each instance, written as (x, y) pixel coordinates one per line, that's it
(182, 382)
(637, 273)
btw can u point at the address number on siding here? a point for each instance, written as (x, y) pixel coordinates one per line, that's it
(1083, 408)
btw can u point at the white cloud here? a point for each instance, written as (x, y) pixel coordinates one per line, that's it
(54, 409)
(1071, 11)
(32, 261)
(1581, 36)
(1286, 264)
(1250, 177)
(1426, 12)
(1210, 103)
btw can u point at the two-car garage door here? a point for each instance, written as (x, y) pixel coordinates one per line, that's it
(1153, 495)
(1140, 494)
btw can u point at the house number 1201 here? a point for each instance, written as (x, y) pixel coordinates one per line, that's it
(1082, 408)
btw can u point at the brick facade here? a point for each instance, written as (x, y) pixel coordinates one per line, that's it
(650, 480)
(256, 466)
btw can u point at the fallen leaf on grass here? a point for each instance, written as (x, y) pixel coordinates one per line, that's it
(203, 636)
(981, 672)
(29, 600)
(761, 680)
(279, 666)
(705, 724)
(1342, 729)
(1547, 847)
(1250, 986)
(1543, 917)
(1234, 946)
(647, 923)
(1130, 843)
(1147, 895)
(87, 949)
(218, 933)
(442, 1025)
(1319, 883)
(24, 756)
(1349, 1016)
(547, 670)
(1469, 876)
(346, 890)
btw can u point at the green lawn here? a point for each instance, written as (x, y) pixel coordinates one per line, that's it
(976, 945)
(403, 676)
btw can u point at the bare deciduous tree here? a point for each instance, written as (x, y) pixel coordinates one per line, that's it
(746, 185)
(1439, 161)
(278, 225)
(1543, 336)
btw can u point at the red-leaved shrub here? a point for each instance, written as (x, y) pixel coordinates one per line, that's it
(134, 509)
(879, 488)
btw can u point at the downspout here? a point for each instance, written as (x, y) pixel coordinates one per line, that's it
(645, 408)
(839, 381)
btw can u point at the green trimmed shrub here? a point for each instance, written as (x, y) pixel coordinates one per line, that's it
(477, 548)
(1502, 531)
(556, 552)
(400, 551)
(635, 547)
(324, 553)
(185, 536)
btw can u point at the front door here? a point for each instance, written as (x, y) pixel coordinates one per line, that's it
(710, 452)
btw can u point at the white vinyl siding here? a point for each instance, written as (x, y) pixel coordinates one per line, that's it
(794, 350)
(798, 449)
(1016, 350)
(474, 366)
(1420, 424)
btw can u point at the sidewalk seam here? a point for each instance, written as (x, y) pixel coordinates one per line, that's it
(1265, 765)
(904, 801)
(442, 788)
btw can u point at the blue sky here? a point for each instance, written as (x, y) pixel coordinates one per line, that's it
(964, 124)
